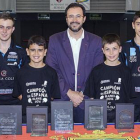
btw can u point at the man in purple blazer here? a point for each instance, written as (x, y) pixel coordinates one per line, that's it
(73, 53)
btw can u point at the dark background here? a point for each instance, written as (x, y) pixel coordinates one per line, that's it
(29, 24)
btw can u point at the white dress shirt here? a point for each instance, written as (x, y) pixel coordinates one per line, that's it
(75, 45)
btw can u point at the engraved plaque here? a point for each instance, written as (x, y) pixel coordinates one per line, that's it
(8, 123)
(95, 117)
(61, 115)
(125, 119)
(63, 119)
(38, 125)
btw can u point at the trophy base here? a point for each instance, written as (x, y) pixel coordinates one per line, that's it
(125, 130)
(38, 135)
(95, 128)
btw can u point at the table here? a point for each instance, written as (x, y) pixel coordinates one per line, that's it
(79, 133)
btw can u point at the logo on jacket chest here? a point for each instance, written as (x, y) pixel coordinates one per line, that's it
(133, 57)
(12, 57)
(3, 76)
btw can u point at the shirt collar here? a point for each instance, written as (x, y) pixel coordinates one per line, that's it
(82, 36)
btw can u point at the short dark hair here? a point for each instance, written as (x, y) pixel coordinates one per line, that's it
(73, 5)
(7, 16)
(111, 38)
(37, 39)
(136, 16)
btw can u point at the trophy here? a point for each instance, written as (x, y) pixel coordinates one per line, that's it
(61, 115)
(124, 116)
(10, 120)
(95, 114)
(95, 117)
(38, 125)
(37, 120)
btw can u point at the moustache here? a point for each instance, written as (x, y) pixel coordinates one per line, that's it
(74, 23)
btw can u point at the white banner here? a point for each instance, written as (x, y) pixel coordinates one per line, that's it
(62, 4)
(85, 3)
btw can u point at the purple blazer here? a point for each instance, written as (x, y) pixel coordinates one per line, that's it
(60, 57)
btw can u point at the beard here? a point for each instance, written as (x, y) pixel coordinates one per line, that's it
(75, 30)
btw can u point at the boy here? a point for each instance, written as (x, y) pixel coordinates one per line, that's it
(12, 58)
(36, 83)
(110, 80)
(131, 57)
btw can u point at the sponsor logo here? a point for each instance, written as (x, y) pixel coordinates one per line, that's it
(59, 1)
(105, 81)
(11, 59)
(137, 89)
(139, 69)
(6, 78)
(133, 57)
(45, 84)
(12, 55)
(13, 64)
(6, 91)
(136, 74)
(81, 1)
(119, 81)
(30, 83)
(132, 51)
(3, 73)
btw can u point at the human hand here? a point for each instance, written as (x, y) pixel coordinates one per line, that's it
(75, 96)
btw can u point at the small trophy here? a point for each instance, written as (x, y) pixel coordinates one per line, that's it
(38, 125)
(124, 116)
(10, 120)
(61, 115)
(37, 120)
(8, 123)
(63, 119)
(95, 119)
(95, 114)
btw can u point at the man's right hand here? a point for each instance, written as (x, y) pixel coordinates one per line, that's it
(75, 96)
